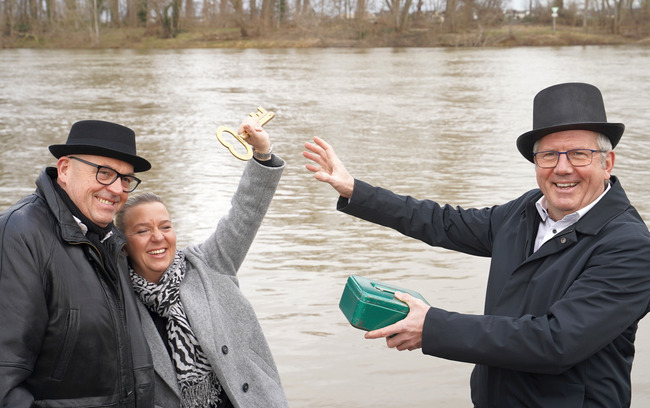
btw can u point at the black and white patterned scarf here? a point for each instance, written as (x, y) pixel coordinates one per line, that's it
(199, 385)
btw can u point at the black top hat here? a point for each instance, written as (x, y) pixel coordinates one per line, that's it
(101, 138)
(567, 107)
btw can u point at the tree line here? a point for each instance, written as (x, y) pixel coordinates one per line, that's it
(257, 17)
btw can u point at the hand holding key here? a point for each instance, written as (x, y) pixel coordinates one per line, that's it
(248, 129)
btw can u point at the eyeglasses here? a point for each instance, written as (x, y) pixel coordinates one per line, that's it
(577, 157)
(107, 176)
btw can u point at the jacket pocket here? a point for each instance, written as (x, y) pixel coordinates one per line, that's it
(261, 363)
(69, 342)
(144, 380)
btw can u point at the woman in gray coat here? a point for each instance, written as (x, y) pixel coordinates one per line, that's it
(207, 345)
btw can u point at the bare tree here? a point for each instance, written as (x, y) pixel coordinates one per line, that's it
(306, 7)
(239, 17)
(252, 6)
(451, 16)
(267, 13)
(131, 17)
(8, 18)
(399, 11)
(190, 12)
(615, 11)
(113, 13)
(95, 10)
(223, 9)
(50, 12)
(167, 14)
(360, 10)
(32, 19)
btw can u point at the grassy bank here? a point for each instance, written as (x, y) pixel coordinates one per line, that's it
(335, 35)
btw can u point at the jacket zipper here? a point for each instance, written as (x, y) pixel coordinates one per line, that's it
(117, 315)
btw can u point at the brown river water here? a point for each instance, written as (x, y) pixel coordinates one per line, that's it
(432, 123)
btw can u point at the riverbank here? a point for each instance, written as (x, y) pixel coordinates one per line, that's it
(341, 35)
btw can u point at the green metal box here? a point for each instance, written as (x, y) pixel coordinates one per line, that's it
(370, 305)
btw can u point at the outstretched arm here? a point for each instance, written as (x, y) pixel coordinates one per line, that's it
(227, 247)
(328, 169)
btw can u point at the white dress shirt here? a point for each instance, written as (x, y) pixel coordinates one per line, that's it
(548, 227)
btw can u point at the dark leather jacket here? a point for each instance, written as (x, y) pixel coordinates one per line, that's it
(69, 333)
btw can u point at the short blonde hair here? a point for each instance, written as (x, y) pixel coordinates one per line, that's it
(135, 201)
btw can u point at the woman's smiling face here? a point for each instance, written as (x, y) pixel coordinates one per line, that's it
(151, 240)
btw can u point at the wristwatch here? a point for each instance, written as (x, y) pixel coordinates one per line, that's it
(263, 156)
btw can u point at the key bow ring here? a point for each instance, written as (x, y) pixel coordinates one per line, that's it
(262, 116)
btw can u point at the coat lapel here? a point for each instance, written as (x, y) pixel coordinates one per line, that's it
(204, 320)
(161, 361)
(197, 308)
(509, 299)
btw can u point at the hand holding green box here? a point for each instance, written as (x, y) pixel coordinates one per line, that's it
(370, 305)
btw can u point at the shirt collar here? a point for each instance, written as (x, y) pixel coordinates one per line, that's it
(542, 207)
(84, 229)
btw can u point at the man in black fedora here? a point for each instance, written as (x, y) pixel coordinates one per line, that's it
(570, 265)
(69, 327)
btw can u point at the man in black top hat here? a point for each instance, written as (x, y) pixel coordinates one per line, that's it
(570, 271)
(69, 329)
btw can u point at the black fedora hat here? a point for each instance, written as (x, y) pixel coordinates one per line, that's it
(100, 138)
(567, 107)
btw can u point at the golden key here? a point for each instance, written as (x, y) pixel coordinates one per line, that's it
(262, 116)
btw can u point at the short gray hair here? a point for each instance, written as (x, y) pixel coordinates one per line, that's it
(605, 145)
(603, 142)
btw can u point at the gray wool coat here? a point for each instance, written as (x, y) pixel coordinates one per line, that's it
(222, 319)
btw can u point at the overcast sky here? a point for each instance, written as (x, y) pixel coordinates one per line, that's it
(517, 4)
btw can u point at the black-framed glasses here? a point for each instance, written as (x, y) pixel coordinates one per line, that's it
(107, 176)
(577, 157)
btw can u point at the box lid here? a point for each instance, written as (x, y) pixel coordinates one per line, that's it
(379, 293)
(369, 304)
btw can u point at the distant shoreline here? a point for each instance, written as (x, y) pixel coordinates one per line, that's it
(503, 36)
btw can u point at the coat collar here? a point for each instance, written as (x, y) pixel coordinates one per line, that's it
(610, 206)
(70, 230)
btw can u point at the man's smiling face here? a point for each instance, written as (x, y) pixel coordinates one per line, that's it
(568, 188)
(96, 201)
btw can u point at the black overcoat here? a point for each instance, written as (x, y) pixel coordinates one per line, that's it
(559, 324)
(69, 330)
